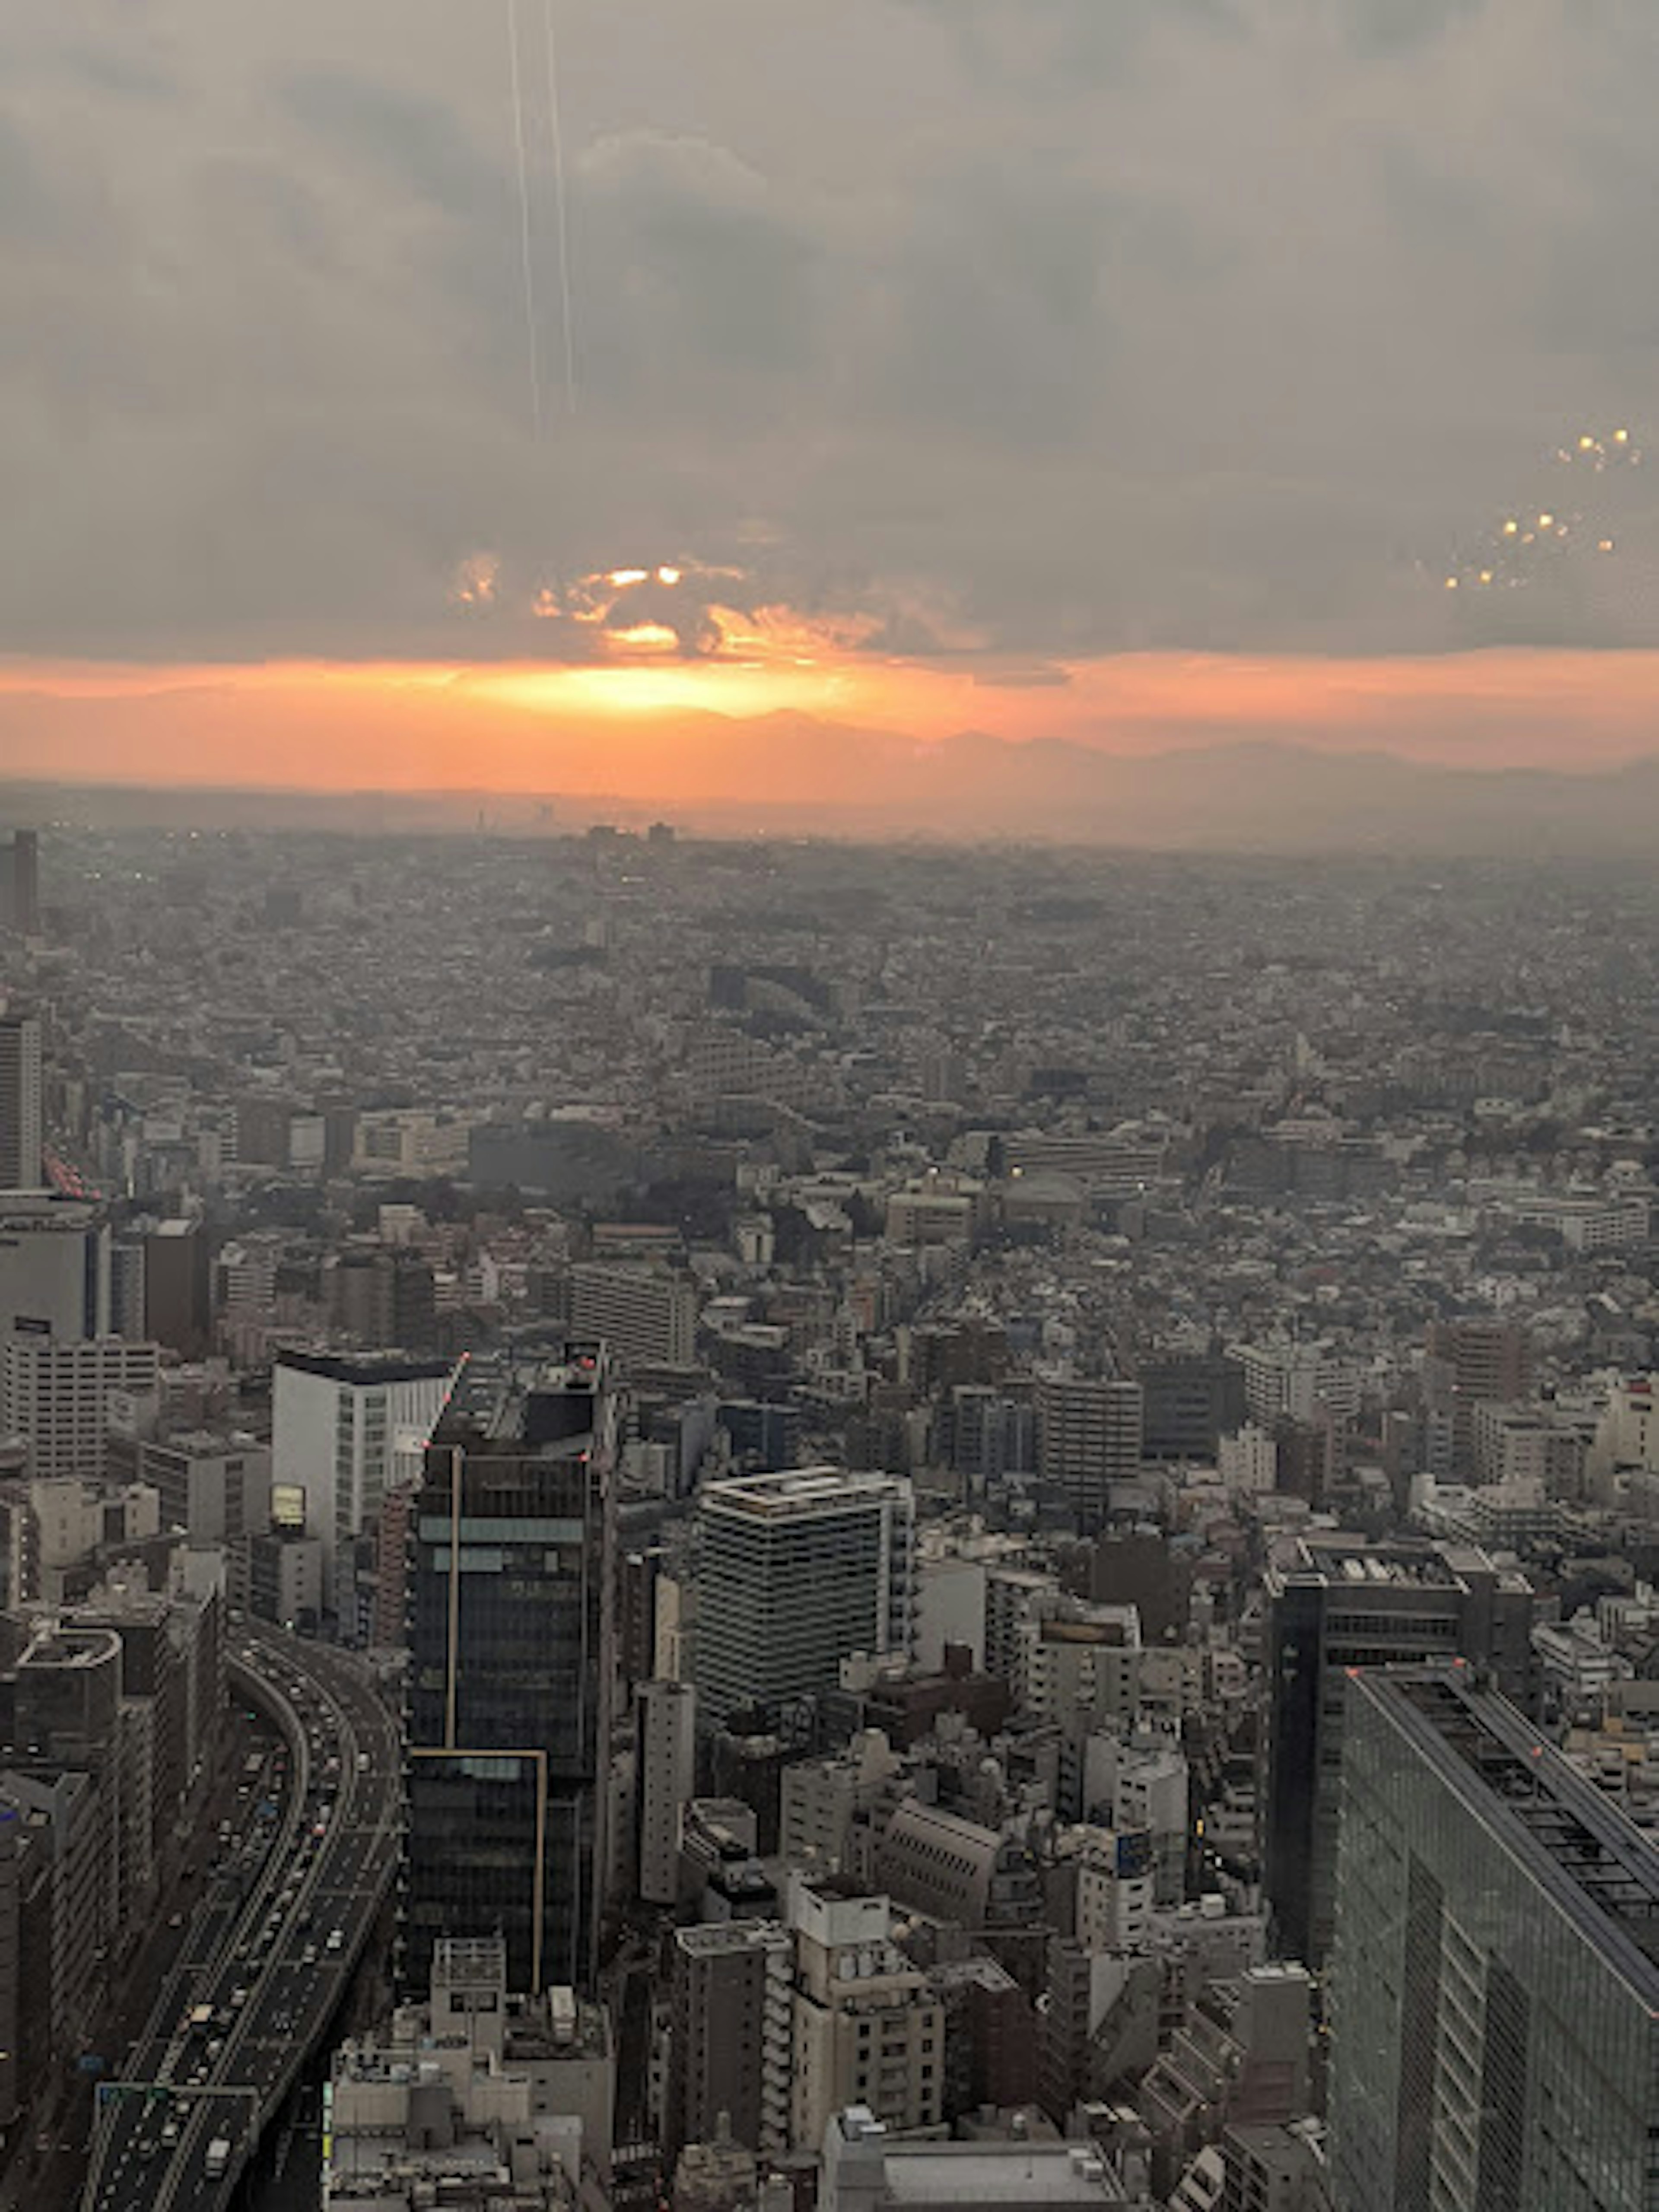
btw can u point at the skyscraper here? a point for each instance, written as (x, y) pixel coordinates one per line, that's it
(798, 1571)
(22, 1135)
(20, 882)
(1495, 1974)
(512, 1639)
(1338, 1603)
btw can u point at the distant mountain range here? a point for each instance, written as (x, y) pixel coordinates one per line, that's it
(788, 775)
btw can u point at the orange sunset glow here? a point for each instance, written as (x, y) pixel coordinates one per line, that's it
(648, 724)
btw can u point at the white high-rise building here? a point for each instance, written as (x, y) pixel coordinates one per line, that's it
(345, 1431)
(56, 1393)
(54, 1266)
(647, 1314)
(798, 1571)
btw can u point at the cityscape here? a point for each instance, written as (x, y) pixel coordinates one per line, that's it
(857, 1526)
(829, 1106)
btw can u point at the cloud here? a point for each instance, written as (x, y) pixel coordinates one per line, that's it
(1036, 327)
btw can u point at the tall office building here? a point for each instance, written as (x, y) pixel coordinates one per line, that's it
(798, 1571)
(346, 1431)
(178, 1309)
(381, 1296)
(1089, 1437)
(511, 1644)
(993, 1433)
(1475, 1360)
(1494, 1985)
(20, 883)
(1192, 1401)
(55, 1266)
(56, 1394)
(647, 1315)
(22, 1132)
(1338, 1603)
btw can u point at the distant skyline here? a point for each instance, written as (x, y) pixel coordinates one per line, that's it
(1141, 377)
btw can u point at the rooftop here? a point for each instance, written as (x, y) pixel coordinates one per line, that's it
(1597, 1864)
(796, 1491)
(526, 1398)
(365, 1370)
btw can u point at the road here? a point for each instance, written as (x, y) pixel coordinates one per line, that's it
(273, 1948)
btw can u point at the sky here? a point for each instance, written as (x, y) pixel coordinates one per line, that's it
(1136, 374)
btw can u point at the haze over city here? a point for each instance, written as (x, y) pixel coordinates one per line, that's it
(829, 1106)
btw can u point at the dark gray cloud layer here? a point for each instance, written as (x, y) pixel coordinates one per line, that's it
(1205, 323)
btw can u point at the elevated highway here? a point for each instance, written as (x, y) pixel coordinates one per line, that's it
(273, 1948)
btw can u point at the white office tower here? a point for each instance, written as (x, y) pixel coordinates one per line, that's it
(346, 1431)
(798, 1571)
(54, 1266)
(665, 1740)
(647, 1314)
(56, 1395)
(22, 1132)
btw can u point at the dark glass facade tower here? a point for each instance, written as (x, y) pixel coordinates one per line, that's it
(1494, 1982)
(512, 1643)
(1335, 1603)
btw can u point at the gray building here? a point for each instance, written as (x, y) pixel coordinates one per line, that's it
(1089, 1435)
(23, 1129)
(1338, 1602)
(1190, 1401)
(798, 1571)
(55, 1265)
(1494, 1989)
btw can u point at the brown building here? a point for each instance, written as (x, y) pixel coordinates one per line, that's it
(730, 2055)
(178, 1308)
(1474, 1358)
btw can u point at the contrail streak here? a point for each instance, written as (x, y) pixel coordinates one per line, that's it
(526, 259)
(556, 125)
